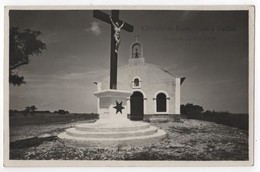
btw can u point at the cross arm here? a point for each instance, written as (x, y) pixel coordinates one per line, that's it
(105, 18)
(101, 16)
(127, 27)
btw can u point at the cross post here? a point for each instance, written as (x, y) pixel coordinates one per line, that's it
(113, 55)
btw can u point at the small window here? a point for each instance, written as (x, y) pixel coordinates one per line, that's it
(136, 82)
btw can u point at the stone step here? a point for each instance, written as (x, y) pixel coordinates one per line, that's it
(120, 134)
(144, 140)
(115, 127)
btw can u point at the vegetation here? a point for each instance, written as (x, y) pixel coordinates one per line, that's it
(61, 112)
(40, 118)
(226, 118)
(13, 112)
(28, 110)
(191, 110)
(22, 45)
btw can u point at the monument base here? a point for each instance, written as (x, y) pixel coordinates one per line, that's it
(113, 129)
(112, 135)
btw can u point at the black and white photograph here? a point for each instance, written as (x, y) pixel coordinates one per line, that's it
(129, 85)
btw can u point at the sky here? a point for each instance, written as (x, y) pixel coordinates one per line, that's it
(209, 48)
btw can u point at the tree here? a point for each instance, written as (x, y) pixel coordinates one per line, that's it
(32, 110)
(26, 111)
(191, 110)
(62, 112)
(29, 110)
(22, 45)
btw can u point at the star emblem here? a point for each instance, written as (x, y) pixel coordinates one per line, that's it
(118, 107)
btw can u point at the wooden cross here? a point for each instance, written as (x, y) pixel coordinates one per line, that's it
(113, 55)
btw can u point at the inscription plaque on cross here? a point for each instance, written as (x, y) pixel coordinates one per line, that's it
(116, 25)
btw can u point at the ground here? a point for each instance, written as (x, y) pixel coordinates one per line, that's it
(186, 140)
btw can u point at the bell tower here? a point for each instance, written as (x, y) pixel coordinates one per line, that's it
(136, 53)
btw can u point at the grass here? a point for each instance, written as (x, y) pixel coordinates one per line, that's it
(19, 119)
(22, 127)
(186, 140)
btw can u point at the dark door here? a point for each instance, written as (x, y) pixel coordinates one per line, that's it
(137, 106)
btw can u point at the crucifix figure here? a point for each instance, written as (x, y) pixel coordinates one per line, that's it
(117, 29)
(116, 26)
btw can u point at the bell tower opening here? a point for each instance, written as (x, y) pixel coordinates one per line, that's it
(136, 50)
(136, 53)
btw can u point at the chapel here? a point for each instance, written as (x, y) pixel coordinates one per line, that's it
(155, 91)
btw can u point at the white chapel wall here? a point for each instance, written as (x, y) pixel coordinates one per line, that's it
(153, 80)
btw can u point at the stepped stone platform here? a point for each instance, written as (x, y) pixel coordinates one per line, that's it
(107, 134)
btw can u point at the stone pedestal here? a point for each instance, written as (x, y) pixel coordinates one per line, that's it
(113, 129)
(112, 107)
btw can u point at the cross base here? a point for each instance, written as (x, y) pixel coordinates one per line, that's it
(112, 106)
(113, 129)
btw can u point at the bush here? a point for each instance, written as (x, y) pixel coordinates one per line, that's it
(62, 112)
(191, 110)
(226, 118)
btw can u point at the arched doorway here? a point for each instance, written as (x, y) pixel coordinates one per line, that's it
(161, 102)
(137, 106)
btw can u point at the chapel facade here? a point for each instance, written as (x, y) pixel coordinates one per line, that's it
(155, 91)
